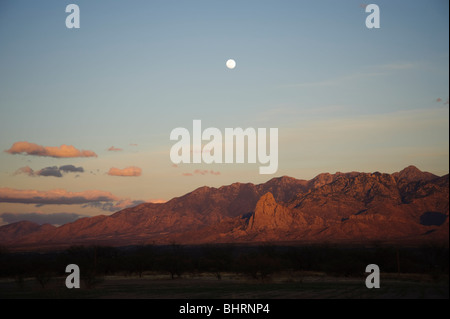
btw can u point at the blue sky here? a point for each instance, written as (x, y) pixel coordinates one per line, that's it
(343, 97)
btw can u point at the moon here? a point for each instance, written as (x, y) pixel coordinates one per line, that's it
(231, 64)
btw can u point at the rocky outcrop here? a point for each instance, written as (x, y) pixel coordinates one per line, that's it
(269, 215)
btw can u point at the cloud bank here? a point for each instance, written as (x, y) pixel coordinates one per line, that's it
(62, 151)
(56, 196)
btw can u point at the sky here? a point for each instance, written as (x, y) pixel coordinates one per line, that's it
(86, 114)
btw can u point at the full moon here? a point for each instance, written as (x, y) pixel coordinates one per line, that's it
(231, 64)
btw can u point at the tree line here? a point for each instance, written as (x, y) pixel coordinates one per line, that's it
(257, 262)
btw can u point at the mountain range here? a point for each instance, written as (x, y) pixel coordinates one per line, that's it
(408, 206)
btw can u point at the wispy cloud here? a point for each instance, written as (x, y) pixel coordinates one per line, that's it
(202, 172)
(114, 149)
(54, 197)
(338, 80)
(397, 66)
(114, 206)
(369, 72)
(128, 171)
(28, 148)
(389, 133)
(25, 170)
(439, 100)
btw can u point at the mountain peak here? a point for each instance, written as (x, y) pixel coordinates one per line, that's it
(411, 169)
(284, 179)
(21, 228)
(413, 174)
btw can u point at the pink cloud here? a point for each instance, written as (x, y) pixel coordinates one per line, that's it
(439, 100)
(128, 171)
(50, 151)
(114, 149)
(174, 165)
(202, 172)
(27, 170)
